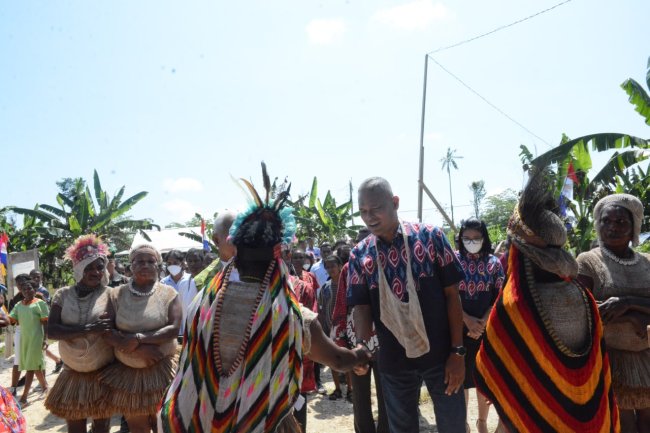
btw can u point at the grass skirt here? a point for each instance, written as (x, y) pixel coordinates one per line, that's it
(631, 378)
(78, 395)
(137, 391)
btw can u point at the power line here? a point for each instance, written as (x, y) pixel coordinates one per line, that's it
(503, 113)
(498, 28)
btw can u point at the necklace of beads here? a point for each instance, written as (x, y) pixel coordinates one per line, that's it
(625, 262)
(136, 292)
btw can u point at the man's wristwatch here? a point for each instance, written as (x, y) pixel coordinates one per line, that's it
(459, 350)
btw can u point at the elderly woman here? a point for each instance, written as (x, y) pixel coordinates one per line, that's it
(619, 278)
(245, 340)
(147, 317)
(78, 319)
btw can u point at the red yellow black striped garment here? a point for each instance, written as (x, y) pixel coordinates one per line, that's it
(534, 385)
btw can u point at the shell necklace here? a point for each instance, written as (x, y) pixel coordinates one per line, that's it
(138, 293)
(625, 262)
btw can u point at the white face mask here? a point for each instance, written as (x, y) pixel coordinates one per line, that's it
(306, 266)
(174, 269)
(473, 248)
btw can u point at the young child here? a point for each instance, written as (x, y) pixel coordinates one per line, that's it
(57, 361)
(31, 314)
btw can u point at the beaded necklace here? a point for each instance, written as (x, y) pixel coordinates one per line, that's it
(138, 293)
(625, 262)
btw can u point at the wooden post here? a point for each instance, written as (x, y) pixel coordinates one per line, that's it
(424, 103)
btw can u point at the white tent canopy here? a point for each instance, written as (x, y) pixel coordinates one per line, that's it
(168, 239)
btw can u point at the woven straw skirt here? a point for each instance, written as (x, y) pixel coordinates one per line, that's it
(631, 378)
(78, 395)
(137, 391)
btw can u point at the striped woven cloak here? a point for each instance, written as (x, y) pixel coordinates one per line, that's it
(261, 391)
(535, 386)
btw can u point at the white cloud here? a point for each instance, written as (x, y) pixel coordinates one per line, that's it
(180, 210)
(182, 184)
(417, 15)
(325, 31)
(433, 136)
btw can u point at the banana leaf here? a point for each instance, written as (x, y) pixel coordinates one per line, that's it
(638, 97)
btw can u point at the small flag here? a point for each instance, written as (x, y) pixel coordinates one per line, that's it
(206, 244)
(571, 174)
(4, 241)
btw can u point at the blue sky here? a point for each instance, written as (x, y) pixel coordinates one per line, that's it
(175, 97)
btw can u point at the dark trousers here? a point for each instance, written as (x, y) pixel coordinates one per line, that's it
(317, 368)
(362, 406)
(401, 390)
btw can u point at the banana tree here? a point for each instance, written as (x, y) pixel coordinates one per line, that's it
(52, 228)
(615, 176)
(323, 220)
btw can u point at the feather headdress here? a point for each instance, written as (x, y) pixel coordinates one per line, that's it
(85, 246)
(85, 250)
(267, 222)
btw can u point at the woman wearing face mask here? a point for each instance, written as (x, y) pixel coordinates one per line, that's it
(484, 278)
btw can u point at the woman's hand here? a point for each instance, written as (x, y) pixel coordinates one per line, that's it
(475, 326)
(123, 343)
(102, 325)
(612, 308)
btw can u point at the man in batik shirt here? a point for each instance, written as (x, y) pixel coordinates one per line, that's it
(404, 279)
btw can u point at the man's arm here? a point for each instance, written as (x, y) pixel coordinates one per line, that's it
(363, 322)
(455, 366)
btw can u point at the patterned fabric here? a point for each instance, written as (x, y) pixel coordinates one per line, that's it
(11, 418)
(430, 250)
(204, 277)
(534, 384)
(305, 289)
(484, 279)
(343, 331)
(262, 389)
(434, 267)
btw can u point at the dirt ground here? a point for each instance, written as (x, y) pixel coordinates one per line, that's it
(323, 415)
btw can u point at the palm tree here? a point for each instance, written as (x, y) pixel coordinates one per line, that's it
(51, 228)
(448, 162)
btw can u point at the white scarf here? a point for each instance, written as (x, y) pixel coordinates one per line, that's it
(403, 319)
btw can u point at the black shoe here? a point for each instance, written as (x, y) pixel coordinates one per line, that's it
(58, 367)
(21, 382)
(348, 396)
(124, 426)
(336, 394)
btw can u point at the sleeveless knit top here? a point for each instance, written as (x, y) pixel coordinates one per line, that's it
(135, 314)
(613, 279)
(90, 352)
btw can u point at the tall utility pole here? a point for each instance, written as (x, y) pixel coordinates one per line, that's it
(422, 188)
(424, 104)
(351, 205)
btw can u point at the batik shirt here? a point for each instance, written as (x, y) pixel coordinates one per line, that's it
(434, 266)
(484, 279)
